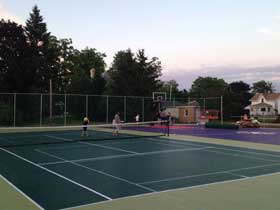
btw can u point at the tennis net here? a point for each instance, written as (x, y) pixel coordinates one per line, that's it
(24, 136)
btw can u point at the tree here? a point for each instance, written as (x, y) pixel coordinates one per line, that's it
(208, 87)
(15, 75)
(44, 55)
(262, 87)
(80, 81)
(134, 74)
(171, 88)
(239, 94)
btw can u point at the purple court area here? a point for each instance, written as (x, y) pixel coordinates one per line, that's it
(259, 135)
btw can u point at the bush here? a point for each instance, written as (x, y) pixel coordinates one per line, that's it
(6, 114)
(221, 126)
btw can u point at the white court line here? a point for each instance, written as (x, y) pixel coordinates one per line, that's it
(59, 175)
(249, 152)
(81, 142)
(127, 155)
(236, 155)
(221, 148)
(17, 189)
(97, 171)
(207, 174)
(173, 190)
(236, 174)
(107, 147)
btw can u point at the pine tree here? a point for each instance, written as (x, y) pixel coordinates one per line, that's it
(44, 54)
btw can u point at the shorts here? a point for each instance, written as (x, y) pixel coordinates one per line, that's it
(85, 127)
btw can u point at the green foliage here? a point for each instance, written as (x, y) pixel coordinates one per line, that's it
(82, 62)
(134, 74)
(6, 114)
(14, 58)
(43, 57)
(262, 87)
(239, 95)
(208, 87)
(221, 126)
(173, 87)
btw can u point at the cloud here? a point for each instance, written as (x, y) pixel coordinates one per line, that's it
(264, 30)
(277, 17)
(7, 15)
(228, 73)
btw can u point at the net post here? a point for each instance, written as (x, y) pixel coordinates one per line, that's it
(107, 109)
(143, 109)
(65, 109)
(222, 120)
(15, 102)
(87, 105)
(124, 108)
(41, 109)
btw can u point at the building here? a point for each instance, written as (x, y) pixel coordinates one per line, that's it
(192, 113)
(264, 104)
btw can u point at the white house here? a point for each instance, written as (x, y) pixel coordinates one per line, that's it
(264, 104)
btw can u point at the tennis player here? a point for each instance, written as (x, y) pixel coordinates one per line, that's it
(116, 124)
(137, 118)
(85, 126)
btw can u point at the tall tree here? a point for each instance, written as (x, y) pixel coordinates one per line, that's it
(15, 75)
(44, 57)
(262, 87)
(134, 74)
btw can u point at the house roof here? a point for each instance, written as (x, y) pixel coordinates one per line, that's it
(267, 96)
(261, 105)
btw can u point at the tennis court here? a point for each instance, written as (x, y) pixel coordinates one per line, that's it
(81, 173)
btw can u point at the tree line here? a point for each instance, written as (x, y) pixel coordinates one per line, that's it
(31, 57)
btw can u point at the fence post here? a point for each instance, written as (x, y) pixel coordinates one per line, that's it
(51, 99)
(143, 109)
(107, 109)
(204, 104)
(65, 109)
(222, 116)
(15, 102)
(124, 108)
(41, 109)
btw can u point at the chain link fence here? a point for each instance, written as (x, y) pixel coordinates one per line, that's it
(33, 109)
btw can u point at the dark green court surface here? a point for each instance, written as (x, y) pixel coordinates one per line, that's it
(59, 176)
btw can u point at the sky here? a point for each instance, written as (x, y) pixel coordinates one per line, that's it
(230, 39)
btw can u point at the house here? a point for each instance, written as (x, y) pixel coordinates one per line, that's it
(264, 104)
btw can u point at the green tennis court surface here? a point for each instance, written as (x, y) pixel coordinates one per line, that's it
(59, 176)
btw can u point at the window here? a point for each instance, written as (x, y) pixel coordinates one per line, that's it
(262, 100)
(186, 112)
(263, 109)
(268, 109)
